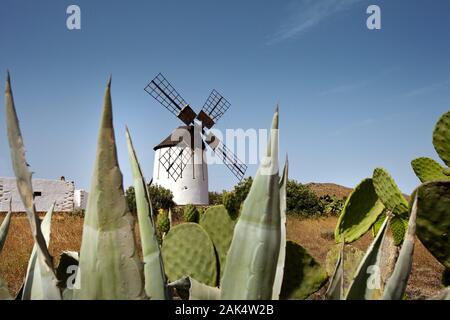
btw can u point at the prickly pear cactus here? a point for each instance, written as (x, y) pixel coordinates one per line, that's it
(219, 226)
(433, 219)
(190, 213)
(441, 138)
(187, 250)
(360, 211)
(302, 274)
(389, 193)
(427, 169)
(162, 221)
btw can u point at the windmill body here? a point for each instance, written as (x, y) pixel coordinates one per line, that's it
(180, 160)
(191, 186)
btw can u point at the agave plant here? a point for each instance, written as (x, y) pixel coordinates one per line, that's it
(221, 256)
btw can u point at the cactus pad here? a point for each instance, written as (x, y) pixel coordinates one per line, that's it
(360, 212)
(433, 219)
(398, 227)
(219, 226)
(427, 169)
(187, 250)
(163, 222)
(441, 138)
(389, 193)
(191, 213)
(302, 274)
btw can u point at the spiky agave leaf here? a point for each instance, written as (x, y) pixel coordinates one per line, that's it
(396, 284)
(4, 228)
(155, 279)
(24, 186)
(278, 282)
(366, 283)
(252, 259)
(38, 283)
(335, 289)
(109, 266)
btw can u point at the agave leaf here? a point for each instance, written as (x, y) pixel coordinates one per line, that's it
(427, 169)
(253, 256)
(197, 290)
(4, 228)
(396, 285)
(360, 211)
(25, 189)
(335, 289)
(39, 283)
(366, 283)
(282, 255)
(155, 279)
(109, 266)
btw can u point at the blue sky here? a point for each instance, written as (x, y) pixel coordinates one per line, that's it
(351, 99)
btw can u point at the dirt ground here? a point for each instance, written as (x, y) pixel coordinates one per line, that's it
(316, 235)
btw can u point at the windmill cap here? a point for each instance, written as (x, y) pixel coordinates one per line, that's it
(181, 132)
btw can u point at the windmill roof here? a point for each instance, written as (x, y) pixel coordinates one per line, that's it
(169, 141)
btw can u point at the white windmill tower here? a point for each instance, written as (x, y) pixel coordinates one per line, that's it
(180, 160)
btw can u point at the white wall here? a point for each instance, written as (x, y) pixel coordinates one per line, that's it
(192, 188)
(80, 199)
(58, 191)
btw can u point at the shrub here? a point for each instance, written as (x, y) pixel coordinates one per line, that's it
(242, 189)
(131, 199)
(301, 200)
(215, 198)
(191, 213)
(160, 197)
(230, 202)
(331, 205)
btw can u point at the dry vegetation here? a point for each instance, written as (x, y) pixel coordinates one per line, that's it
(314, 234)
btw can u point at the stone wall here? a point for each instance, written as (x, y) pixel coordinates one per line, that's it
(46, 192)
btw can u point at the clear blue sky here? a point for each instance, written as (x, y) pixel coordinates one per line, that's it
(350, 99)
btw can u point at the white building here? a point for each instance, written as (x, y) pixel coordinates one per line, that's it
(187, 177)
(46, 192)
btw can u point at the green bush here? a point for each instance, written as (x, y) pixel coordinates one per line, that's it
(331, 205)
(191, 213)
(160, 197)
(162, 221)
(301, 200)
(242, 189)
(230, 203)
(215, 198)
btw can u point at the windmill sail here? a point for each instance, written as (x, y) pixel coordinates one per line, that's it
(236, 166)
(213, 109)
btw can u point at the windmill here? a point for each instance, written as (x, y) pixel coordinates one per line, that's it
(180, 159)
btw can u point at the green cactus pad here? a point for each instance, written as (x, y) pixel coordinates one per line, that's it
(441, 138)
(378, 223)
(433, 219)
(187, 250)
(360, 211)
(352, 258)
(219, 226)
(163, 222)
(427, 169)
(398, 227)
(302, 274)
(389, 193)
(191, 213)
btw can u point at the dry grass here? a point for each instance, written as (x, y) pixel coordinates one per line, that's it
(314, 234)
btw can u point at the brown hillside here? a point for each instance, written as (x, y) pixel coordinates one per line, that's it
(332, 189)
